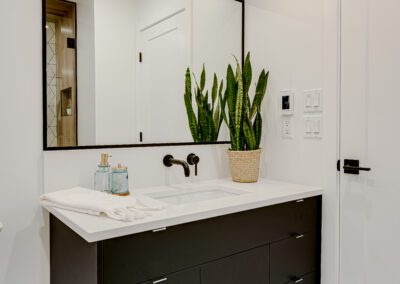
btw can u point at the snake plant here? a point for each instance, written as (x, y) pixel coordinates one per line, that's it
(244, 116)
(204, 127)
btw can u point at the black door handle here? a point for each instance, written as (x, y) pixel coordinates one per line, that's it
(352, 167)
(357, 168)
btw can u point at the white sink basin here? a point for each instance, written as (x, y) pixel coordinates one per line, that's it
(184, 195)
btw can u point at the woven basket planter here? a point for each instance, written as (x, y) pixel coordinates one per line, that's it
(245, 165)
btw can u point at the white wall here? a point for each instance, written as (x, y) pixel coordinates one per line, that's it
(23, 241)
(144, 164)
(330, 213)
(298, 42)
(286, 38)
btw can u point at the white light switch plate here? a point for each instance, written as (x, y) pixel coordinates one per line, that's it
(313, 127)
(313, 100)
(287, 132)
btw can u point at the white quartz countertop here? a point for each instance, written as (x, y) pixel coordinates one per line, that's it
(261, 194)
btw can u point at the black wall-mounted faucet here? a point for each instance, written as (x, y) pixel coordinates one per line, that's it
(169, 161)
(193, 159)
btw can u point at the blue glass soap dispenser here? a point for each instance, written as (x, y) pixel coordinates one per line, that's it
(102, 175)
(119, 181)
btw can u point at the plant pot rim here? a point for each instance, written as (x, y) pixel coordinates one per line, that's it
(245, 151)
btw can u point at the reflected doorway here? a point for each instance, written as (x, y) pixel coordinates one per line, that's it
(61, 68)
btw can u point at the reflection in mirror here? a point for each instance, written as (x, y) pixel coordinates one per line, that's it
(61, 74)
(115, 70)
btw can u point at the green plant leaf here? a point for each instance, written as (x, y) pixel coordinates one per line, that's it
(210, 107)
(189, 107)
(249, 135)
(188, 83)
(261, 89)
(217, 118)
(257, 127)
(234, 146)
(211, 128)
(239, 105)
(231, 89)
(222, 106)
(230, 99)
(223, 100)
(247, 74)
(203, 121)
(203, 79)
(214, 92)
(206, 106)
(191, 117)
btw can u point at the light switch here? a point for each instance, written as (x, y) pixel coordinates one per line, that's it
(316, 100)
(313, 127)
(308, 126)
(313, 100)
(317, 126)
(287, 129)
(309, 99)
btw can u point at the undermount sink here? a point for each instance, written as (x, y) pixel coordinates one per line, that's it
(183, 195)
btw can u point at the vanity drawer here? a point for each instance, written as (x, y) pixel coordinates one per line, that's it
(287, 219)
(294, 257)
(250, 267)
(311, 278)
(144, 256)
(188, 276)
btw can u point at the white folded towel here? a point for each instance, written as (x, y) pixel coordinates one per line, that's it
(98, 203)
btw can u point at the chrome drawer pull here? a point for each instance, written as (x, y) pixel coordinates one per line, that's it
(299, 280)
(159, 230)
(300, 201)
(160, 281)
(300, 236)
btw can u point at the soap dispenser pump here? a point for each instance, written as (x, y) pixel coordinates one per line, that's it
(102, 175)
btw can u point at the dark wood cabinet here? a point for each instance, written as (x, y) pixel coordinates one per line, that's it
(311, 278)
(250, 267)
(294, 257)
(187, 276)
(275, 244)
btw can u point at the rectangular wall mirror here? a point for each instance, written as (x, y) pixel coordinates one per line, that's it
(114, 71)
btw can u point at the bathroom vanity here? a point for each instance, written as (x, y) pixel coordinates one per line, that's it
(272, 235)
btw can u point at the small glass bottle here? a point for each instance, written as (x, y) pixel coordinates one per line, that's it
(119, 181)
(102, 175)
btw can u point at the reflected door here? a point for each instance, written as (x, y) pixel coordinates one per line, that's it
(164, 44)
(370, 99)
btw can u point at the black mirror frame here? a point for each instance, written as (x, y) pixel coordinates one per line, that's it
(44, 85)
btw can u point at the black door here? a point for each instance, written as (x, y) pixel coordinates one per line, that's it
(251, 267)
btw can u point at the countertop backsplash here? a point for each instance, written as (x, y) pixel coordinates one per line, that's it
(66, 169)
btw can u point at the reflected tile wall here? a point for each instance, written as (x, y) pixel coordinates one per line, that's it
(51, 86)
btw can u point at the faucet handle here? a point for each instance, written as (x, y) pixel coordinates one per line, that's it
(167, 161)
(193, 159)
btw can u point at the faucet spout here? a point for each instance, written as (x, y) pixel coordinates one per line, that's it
(169, 161)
